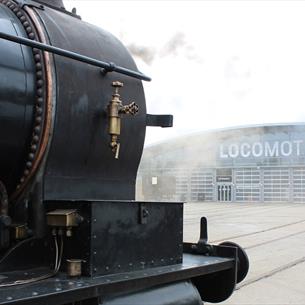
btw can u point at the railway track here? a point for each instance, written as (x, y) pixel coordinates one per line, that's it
(272, 236)
(271, 273)
(259, 231)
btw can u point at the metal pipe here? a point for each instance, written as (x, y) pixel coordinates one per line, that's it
(3, 200)
(108, 66)
(37, 212)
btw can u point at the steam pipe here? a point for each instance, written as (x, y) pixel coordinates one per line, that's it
(107, 66)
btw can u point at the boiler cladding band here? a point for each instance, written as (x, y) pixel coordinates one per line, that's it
(108, 66)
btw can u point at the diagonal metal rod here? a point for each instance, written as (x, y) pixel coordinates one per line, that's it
(108, 66)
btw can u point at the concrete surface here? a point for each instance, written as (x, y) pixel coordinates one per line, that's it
(274, 238)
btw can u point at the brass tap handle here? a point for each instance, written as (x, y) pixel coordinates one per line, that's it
(115, 111)
(117, 85)
(132, 109)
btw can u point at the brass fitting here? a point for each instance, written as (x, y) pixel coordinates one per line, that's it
(115, 111)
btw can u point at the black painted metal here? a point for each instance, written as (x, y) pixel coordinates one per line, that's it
(17, 97)
(52, 3)
(80, 158)
(159, 120)
(242, 260)
(219, 285)
(111, 231)
(181, 293)
(62, 289)
(109, 67)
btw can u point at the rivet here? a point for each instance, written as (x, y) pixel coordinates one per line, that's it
(39, 74)
(35, 50)
(29, 30)
(9, 298)
(29, 164)
(26, 24)
(26, 172)
(39, 83)
(12, 6)
(37, 129)
(39, 92)
(35, 139)
(15, 10)
(58, 289)
(22, 18)
(35, 293)
(37, 57)
(22, 180)
(31, 35)
(31, 156)
(38, 119)
(107, 268)
(18, 186)
(19, 14)
(38, 66)
(39, 110)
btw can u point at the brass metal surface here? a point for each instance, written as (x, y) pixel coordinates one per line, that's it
(63, 218)
(74, 267)
(115, 111)
(19, 232)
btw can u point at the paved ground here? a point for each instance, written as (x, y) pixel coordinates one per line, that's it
(274, 238)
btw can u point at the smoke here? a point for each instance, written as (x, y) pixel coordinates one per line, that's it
(176, 45)
(147, 54)
(179, 44)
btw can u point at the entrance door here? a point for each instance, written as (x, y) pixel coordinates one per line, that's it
(224, 192)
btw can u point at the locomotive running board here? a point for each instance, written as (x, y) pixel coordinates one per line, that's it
(62, 289)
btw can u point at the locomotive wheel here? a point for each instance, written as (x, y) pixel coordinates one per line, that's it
(242, 260)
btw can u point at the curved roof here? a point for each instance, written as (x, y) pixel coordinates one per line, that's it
(247, 128)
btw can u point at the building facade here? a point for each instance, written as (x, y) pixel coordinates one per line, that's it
(247, 164)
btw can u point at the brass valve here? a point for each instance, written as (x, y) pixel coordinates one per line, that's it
(115, 111)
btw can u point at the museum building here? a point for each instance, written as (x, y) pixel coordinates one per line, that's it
(261, 163)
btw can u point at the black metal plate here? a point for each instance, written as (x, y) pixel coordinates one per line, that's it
(61, 290)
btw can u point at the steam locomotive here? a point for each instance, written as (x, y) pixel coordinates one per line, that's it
(72, 127)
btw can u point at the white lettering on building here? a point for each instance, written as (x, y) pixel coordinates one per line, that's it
(286, 148)
(245, 150)
(272, 150)
(261, 149)
(257, 149)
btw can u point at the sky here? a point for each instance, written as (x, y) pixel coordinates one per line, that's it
(214, 64)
